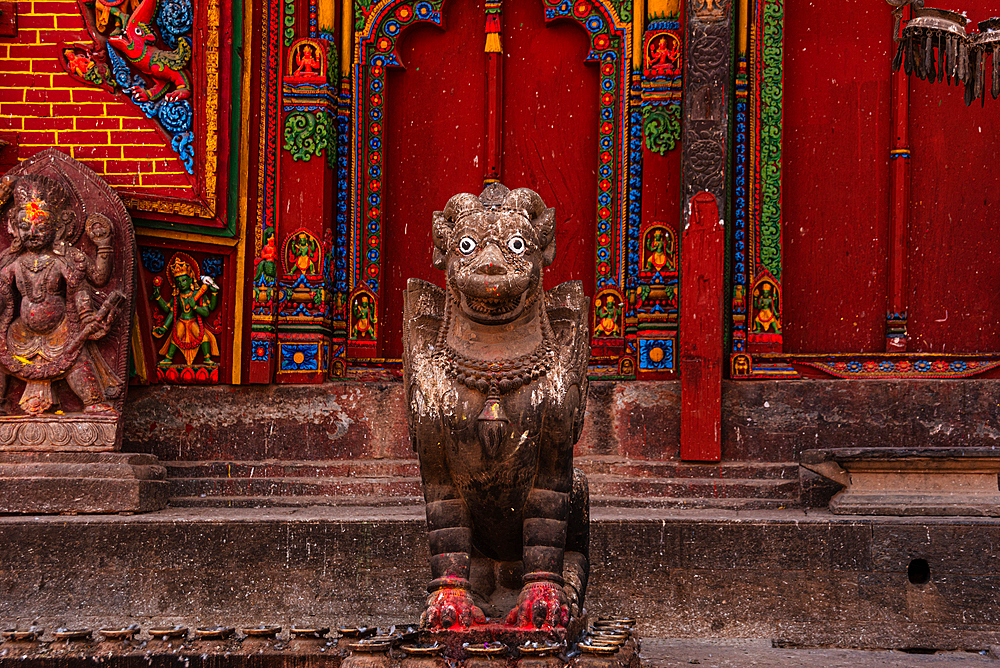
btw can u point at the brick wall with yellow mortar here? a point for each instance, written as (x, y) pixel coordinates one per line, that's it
(46, 107)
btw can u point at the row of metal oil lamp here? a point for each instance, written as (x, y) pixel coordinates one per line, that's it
(174, 633)
(605, 637)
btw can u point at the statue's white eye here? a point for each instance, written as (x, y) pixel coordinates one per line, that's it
(467, 245)
(516, 244)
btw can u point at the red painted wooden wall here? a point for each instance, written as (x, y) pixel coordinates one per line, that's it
(435, 148)
(837, 136)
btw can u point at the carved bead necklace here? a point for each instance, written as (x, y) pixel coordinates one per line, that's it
(498, 377)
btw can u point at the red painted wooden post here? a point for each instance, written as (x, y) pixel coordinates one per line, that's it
(701, 322)
(494, 91)
(899, 214)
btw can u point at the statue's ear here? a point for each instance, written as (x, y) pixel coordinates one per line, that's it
(440, 231)
(549, 254)
(545, 223)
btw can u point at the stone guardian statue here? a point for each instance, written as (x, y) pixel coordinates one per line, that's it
(495, 374)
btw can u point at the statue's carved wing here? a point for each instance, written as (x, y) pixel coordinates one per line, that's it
(423, 316)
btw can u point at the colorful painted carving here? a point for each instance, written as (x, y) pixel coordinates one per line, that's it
(364, 321)
(656, 301)
(307, 61)
(660, 251)
(184, 322)
(128, 56)
(662, 76)
(608, 313)
(303, 254)
(766, 305)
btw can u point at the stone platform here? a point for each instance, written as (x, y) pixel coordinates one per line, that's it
(795, 577)
(81, 482)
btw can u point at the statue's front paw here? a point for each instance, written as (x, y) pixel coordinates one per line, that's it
(540, 604)
(449, 607)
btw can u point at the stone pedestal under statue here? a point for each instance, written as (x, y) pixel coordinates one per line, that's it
(67, 284)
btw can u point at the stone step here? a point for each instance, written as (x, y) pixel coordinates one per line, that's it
(591, 465)
(362, 468)
(604, 490)
(686, 488)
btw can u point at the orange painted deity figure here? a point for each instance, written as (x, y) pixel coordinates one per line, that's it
(765, 302)
(663, 52)
(50, 314)
(306, 63)
(186, 313)
(661, 251)
(78, 65)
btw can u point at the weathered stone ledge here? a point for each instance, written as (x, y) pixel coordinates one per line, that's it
(801, 578)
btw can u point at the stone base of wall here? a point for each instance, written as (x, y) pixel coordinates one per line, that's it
(800, 578)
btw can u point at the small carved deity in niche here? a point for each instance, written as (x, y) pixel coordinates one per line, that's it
(607, 314)
(53, 311)
(659, 250)
(363, 317)
(185, 326)
(766, 309)
(306, 63)
(664, 50)
(304, 253)
(495, 374)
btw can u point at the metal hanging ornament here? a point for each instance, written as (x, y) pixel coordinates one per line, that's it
(935, 46)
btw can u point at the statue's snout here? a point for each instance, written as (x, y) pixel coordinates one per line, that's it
(491, 261)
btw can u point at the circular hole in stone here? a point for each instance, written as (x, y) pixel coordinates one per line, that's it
(918, 572)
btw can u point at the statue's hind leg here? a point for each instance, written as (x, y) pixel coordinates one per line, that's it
(576, 562)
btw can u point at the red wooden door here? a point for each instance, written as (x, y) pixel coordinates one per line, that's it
(435, 138)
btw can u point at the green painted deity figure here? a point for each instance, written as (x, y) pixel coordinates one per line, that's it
(607, 311)
(364, 318)
(303, 250)
(186, 313)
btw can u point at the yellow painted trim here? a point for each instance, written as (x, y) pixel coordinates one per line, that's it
(743, 27)
(242, 236)
(638, 26)
(346, 34)
(185, 236)
(327, 15)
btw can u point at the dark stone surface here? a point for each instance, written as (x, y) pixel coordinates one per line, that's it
(81, 482)
(801, 578)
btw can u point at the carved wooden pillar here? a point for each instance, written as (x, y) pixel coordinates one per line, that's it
(705, 144)
(306, 203)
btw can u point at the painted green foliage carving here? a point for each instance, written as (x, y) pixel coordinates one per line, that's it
(289, 31)
(624, 9)
(770, 139)
(661, 125)
(308, 134)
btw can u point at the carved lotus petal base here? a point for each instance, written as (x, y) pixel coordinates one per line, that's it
(74, 432)
(81, 482)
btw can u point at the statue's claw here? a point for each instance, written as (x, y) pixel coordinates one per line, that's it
(540, 604)
(449, 607)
